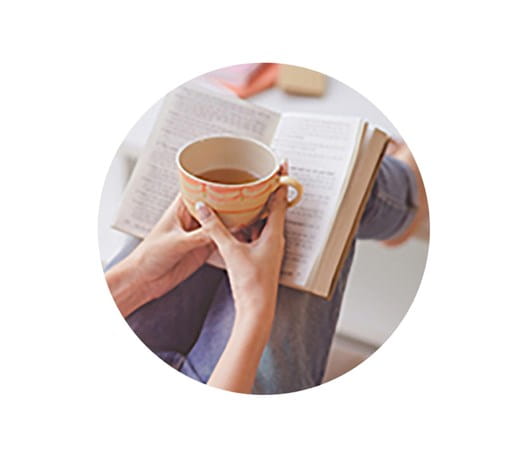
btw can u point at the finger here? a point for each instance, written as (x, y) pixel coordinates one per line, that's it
(173, 214)
(167, 216)
(255, 233)
(179, 243)
(284, 168)
(213, 226)
(194, 239)
(175, 203)
(277, 209)
(183, 218)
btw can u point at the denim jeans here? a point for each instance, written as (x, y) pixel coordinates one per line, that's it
(189, 326)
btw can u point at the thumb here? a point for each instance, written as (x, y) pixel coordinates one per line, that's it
(192, 239)
(277, 209)
(213, 226)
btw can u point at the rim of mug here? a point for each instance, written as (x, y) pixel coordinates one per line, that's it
(236, 137)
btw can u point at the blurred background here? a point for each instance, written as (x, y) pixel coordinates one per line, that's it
(383, 280)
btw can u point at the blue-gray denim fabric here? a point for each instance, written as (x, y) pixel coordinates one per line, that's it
(189, 326)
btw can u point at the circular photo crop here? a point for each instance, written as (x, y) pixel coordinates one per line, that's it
(263, 228)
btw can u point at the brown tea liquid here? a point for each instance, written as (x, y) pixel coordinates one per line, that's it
(228, 176)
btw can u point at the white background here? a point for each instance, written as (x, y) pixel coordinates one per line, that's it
(76, 381)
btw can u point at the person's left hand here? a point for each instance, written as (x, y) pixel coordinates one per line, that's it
(174, 249)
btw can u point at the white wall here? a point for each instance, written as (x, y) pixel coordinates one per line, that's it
(381, 287)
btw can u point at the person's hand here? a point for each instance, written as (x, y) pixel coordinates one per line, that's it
(172, 251)
(253, 267)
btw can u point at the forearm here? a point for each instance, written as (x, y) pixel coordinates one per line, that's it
(237, 367)
(126, 287)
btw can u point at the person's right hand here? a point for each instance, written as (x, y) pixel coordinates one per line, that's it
(254, 267)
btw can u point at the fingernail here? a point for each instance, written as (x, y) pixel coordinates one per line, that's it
(202, 210)
(284, 163)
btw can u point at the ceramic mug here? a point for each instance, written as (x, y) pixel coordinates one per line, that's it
(235, 204)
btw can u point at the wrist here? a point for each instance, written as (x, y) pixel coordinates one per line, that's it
(252, 329)
(254, 317)
(255, 304)
(256, 320)
(255, 297)
(127, 286)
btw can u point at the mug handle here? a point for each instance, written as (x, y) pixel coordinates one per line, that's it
(289, 181)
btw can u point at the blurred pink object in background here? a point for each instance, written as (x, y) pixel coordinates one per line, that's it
(237, 75)
(246, 79)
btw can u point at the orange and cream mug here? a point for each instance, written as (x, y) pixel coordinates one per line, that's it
(232, 175)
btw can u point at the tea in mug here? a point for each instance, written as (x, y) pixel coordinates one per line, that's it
(228, 176)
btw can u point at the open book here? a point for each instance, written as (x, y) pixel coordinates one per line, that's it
(335, 158)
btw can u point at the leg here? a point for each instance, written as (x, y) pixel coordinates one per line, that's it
(215, 333)
(296, 355)
(293, 359)
(170, 325)
(393, 202)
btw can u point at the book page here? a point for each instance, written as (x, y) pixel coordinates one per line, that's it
(188, 113)
(363, 173)
(320, 150)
